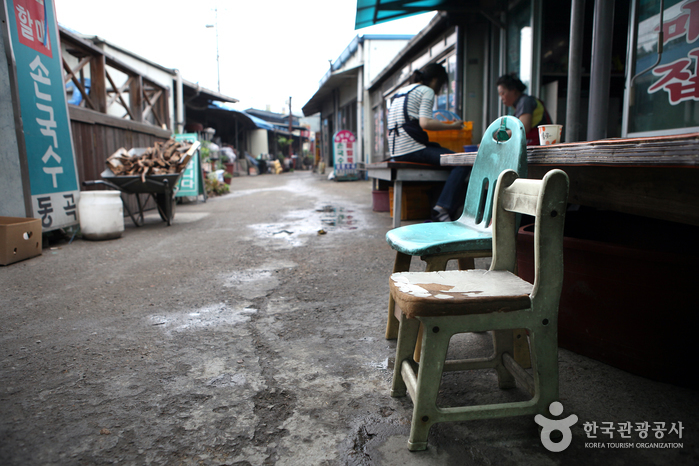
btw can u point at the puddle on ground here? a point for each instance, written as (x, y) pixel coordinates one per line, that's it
(217, 315)
(338, 217)
(300, 225)
(227, 380)
(379, 364)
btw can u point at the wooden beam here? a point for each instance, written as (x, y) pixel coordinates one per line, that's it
(70, 73)
(119, 94)
(150, 108)
(164, 107)
(663, 150)
(98, 81)
(136, 98)
(95, 118)
(78, 85)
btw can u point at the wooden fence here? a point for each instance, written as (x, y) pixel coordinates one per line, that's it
(96, 133)
(96, 136)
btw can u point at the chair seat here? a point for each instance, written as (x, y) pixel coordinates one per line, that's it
(425, 239)
(459, 292)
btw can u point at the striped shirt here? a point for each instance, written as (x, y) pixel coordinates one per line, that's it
(420, 104)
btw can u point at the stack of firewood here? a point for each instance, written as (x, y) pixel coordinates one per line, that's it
(163, 158)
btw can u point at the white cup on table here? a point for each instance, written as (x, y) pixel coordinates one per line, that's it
(550, 134)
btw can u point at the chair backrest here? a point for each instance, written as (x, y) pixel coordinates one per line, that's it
(546, 200)
(493, 157)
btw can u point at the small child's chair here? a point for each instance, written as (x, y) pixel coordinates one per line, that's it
(470, 236)
(460, 301)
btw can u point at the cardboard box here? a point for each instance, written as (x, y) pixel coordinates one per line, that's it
(20, 238)
(417, 200)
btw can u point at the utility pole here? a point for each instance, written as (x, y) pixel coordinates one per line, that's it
(291, 129)
(218, 64)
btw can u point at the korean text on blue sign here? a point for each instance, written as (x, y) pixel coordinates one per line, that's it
(52, 170)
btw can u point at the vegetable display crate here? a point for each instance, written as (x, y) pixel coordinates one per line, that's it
(453, 139)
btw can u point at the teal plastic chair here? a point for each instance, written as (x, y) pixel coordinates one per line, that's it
(471, 235)
(450, 302)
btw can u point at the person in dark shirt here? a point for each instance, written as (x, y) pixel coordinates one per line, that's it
(530, 110)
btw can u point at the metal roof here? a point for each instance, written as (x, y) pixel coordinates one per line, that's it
(193, 91)
(333, 81)
(258, 122)
(277, 119)
(370, 12)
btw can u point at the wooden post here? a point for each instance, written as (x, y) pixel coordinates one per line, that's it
(98, 91)
(136, 98)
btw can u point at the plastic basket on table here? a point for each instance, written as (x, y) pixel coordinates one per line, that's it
(453, 139)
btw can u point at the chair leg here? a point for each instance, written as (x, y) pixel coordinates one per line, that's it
(401, 264)
(544, 344)
(407, 333)
(521, 348)
(466, 263)
(521, 351)
(503, 343)
(429, 378)
(432, 264)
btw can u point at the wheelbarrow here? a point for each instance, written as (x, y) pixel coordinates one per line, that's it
(161, 188)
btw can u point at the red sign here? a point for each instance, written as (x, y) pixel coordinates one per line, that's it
(679, 78)
(32, 26)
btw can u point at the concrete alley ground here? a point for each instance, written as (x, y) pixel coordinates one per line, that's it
(242, 336)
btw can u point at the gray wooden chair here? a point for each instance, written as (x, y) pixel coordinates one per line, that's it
(451, 302)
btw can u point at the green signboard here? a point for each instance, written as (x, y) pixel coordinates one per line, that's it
(192, 179)
(37, 62)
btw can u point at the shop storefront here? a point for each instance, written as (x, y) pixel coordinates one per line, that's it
(626, 91)
(603, 92)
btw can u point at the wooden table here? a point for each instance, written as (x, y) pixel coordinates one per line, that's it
(653, 177)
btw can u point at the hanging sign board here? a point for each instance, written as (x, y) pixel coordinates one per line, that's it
(192, 179)
(37, 63)
(663, 86)
(343, 151)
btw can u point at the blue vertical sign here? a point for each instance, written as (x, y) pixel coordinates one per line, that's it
(36, 53)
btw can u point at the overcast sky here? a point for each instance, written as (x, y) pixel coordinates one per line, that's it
(269, 50)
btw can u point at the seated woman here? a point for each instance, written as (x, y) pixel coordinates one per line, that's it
(528, 109)
(409, 115)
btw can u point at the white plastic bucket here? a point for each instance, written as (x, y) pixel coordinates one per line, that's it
(101, 215)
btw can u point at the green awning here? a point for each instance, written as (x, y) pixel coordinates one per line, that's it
(370, 12)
